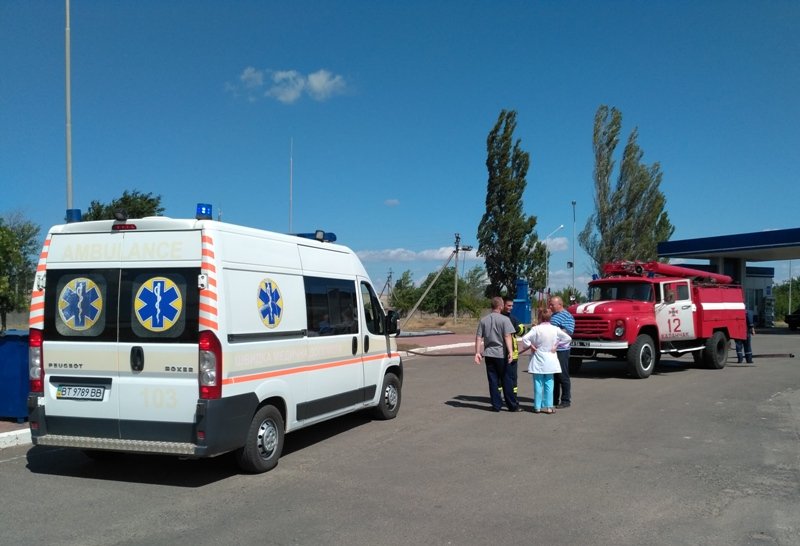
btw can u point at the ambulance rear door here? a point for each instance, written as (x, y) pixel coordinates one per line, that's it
(157, 386)
(80, 352)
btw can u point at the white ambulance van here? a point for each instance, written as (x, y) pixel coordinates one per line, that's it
(196, 338)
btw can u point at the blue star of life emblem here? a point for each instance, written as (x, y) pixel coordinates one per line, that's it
(158, 304)
(270, 303)
(80, 304)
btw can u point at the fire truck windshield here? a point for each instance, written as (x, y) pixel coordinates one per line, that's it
(638, 291)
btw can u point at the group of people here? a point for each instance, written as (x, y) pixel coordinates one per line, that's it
(501, 338)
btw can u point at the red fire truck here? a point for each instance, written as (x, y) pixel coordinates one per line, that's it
(639, 311)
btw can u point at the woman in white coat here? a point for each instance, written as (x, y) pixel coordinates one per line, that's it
(543, 340)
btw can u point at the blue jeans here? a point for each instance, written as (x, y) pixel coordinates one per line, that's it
(542, 391)
(562, 391)
(499, 373)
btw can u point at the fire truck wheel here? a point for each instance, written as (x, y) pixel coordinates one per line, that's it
(716, 352)
(389, 404)
(642, 357)
(264, 441)
(698, 357)
(575, 365)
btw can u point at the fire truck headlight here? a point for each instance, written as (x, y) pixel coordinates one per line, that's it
(619, 328)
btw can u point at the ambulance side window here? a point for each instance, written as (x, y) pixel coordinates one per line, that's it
(330, 306)
(159, 305)
(81, 304)
(373, 313)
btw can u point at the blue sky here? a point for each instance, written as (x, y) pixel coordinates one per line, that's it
(388, 105)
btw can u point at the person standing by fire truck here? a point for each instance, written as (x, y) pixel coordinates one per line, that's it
(562, 391)
(744, 349)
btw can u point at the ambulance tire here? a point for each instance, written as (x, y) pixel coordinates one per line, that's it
(716, 352)
(642, 357)
(264, 442)
(389, 403)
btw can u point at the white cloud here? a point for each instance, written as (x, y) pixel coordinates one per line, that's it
(322, 84)
(391, 202)
(252, 78)
(557, 244)
(286, 86)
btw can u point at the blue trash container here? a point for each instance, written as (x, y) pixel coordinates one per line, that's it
(14, 386)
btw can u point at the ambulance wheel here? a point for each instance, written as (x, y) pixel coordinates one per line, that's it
(389, 403)
(642, 357)
(264, 441)
(716, 352)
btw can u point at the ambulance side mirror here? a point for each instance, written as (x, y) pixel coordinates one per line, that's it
(391, 323)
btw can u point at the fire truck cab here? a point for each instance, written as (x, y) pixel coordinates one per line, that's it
(640, 311)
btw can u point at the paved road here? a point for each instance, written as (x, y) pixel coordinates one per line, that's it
(688, 456)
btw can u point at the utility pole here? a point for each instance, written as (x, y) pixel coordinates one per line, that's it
(416, 305)
(68, 100)
(574, 292)
(387, 285)
(455, 281)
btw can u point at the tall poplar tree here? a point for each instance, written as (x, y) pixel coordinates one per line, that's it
(506, 236)
(629, 220)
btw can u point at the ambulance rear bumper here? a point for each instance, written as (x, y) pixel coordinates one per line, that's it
(220, 426)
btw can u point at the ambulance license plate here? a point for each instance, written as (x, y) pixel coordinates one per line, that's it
(79, 392)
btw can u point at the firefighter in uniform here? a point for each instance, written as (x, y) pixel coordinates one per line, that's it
(519, 330)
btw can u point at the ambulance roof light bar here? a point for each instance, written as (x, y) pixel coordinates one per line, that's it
(319, 235)
(204, 212)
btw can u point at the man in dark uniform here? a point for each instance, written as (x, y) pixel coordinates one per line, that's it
(519, 329)
(744, 349)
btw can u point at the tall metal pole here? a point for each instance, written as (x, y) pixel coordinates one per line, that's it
(547, 260)
(69, 110)
(573, 248)
(790, 287)
(455, 282)
(291, 173)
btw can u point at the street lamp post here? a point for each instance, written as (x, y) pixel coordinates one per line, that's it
(573, 248)
(547, 259)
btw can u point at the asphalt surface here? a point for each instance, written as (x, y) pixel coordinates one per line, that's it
(688, 456)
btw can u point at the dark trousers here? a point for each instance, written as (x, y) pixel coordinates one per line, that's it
(744, 349)
(562, 390)
(499, 374)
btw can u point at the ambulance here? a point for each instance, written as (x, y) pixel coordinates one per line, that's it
(194, 337)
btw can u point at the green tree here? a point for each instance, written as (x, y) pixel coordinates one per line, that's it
(439, 299)
(471, 293)
(19, 246)
(136, 204)
(404, 293)
(507, 238)
(781, 293)
(566, 293)
(629, 220)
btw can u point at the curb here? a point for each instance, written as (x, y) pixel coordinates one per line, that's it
(422, 350)
(15, 438)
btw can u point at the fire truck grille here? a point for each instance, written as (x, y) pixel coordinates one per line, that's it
(590, 326)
